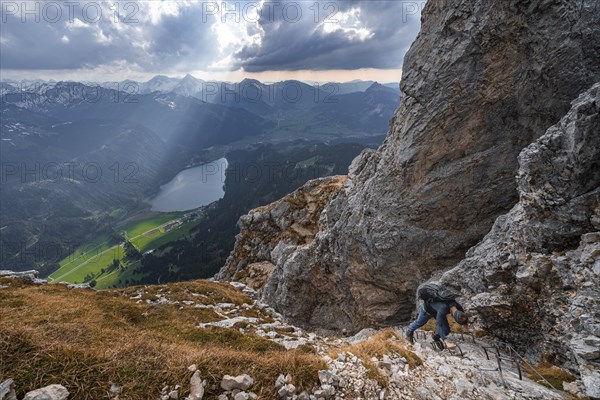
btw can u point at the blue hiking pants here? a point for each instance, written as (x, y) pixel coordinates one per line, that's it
(441, 321)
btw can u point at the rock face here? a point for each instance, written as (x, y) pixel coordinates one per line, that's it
(534, 280)
(286, 223)
(482, 81)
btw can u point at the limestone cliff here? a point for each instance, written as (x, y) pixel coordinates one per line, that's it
(482, 81)
(534, 280)
(287, 223)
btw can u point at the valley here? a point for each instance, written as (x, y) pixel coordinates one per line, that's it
(110, 261)
(98, 154)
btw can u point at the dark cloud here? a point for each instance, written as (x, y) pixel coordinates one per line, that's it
(171, 42)
(307, 44)
(376, 37)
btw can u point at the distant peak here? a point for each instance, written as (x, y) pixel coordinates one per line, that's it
(375, 86)
(159, 78)
(189, 77)
(250, 81)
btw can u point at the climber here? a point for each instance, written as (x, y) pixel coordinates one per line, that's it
(438, 302)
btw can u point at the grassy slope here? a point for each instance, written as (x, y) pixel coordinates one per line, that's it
(92, 262)
(88, 250)
(90, 258)
(165, 238)
(118, 277)
(137, 228)
(86, 340)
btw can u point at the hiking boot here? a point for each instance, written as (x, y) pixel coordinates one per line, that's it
(411, 338)
(437, 341)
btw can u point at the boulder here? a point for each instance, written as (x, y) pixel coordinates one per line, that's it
(325, 376)
(115, 389)
(572, 388)
(51, 392)
(241, 382)
(241, 396)
(196, 386)
(304, 396)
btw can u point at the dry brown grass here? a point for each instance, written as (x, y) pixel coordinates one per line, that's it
(212, 292)
(385, 342)
(86, 340)
(553, 374)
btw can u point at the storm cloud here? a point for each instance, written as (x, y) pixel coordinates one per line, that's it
(169, 36)
(346, 35)
(140, 34)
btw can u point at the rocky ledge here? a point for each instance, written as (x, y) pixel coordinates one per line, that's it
(269, 232)
(33, 276)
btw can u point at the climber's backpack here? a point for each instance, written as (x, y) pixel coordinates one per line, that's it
(430, 292)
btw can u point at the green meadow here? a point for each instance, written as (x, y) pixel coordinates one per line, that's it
(105, 262)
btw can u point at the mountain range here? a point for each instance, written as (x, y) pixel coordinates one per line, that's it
(66, 131)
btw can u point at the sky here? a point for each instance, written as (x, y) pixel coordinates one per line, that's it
(222, 40)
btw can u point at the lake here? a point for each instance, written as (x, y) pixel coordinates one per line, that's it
(192, 188)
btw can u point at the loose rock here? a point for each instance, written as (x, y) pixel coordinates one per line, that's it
(51, 392)
(241, 382)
